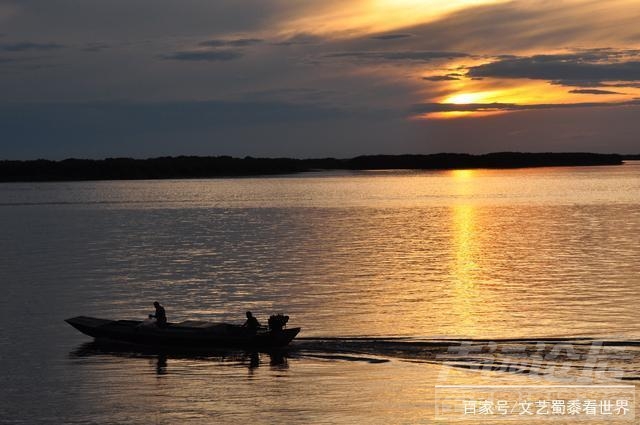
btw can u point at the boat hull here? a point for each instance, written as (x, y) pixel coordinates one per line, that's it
(185, 334)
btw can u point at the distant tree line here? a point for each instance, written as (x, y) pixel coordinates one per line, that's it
(226, 166)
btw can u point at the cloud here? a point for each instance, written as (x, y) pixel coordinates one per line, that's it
(29, 46)
(145, 20)
(96, 47)
(237, 42)
(514, 26)
(425, 108)
(448, 77)
(593, 91)
(391, 36)
(205, 114)
(300, 39)
(300, 95)
(408, 55)
(568, 68)
(204, 56)
(22, 63)
(584, 83)
(214, 55)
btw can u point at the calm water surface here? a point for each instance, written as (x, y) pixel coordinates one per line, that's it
(376, 267)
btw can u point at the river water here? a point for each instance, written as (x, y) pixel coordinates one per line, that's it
(388, 273)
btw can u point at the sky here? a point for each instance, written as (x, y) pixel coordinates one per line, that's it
(306, 78)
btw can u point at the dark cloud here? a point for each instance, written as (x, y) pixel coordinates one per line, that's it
(204, 56)
(391, 36)
(96, 47)
(215, 55)
(29, 46)
(448, 77)
(581, 83)
(300, 39)
(572, 68)
(203, 114)
(74, 21)
(302, 95)
(22, 63)
(630, 84)
(423, 108)
(593, 91)
(237, 42)
(584, 83)
(409, 55)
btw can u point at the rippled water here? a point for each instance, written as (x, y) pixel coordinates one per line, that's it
(357, 260)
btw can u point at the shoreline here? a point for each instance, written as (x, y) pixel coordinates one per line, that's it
(190, 167)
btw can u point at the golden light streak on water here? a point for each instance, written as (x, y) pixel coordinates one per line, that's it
(465, 292)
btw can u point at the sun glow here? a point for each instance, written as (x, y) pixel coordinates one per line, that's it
(467, 98)
(486, 102)
(371, 16)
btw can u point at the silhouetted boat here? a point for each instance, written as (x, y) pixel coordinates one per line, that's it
(190, 333)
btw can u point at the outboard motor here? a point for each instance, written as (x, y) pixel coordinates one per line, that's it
(277, 322)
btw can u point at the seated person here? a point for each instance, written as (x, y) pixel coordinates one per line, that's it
(252, 323)
(160, 316)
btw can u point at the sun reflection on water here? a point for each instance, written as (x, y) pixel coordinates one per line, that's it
(466, 296)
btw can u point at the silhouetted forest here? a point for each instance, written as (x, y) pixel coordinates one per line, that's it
(226, 166)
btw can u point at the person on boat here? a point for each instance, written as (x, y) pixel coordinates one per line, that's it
(160, 316)
(252, 323)
(277, 322)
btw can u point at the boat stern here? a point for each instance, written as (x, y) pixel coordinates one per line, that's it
(284, 337)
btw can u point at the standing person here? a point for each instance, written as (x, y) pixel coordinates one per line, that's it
(161, 315)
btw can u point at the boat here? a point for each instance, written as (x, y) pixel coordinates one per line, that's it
(190, 333)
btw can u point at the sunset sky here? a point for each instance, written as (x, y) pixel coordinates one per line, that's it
(306, 78)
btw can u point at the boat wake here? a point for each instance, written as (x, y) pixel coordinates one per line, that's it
(561, 358)
(552, 358)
